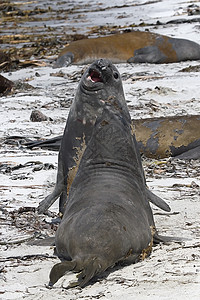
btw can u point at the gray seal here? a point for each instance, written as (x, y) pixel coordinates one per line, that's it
(108, 218)
(100, 83)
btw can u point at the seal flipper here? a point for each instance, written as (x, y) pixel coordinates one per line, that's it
(157, 238)
(64, 60)
(59, 270)
(50, 144)
(93, 268)
(149, 54)
(89, 269)
(157, 201)
(48, 241)
(62, 202)
(59, 188)
(190, 154)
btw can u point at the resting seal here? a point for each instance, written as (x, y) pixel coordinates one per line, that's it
(107, 217)
(100, 82)
(134, 47)
(176, 136)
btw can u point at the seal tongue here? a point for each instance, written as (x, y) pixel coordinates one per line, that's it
(95, 76)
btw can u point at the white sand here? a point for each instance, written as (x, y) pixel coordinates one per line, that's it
(172, 271)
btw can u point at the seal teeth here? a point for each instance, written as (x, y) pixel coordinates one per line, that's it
(84, 121)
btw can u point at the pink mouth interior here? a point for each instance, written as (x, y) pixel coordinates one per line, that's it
(95, 76)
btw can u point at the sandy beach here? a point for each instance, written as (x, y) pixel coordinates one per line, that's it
(27, 176)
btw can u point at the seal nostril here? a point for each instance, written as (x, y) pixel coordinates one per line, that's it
(102, 64)
(116, 76)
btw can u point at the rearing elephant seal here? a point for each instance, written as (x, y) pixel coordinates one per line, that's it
(100, 83)
(107, 217)
(134, 47)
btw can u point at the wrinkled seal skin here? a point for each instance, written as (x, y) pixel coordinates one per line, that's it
(176, 136)
(107, 218)
(133, 47)
(82, 116)
(100, 83)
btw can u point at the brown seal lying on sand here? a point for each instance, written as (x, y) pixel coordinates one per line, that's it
(134, 47)
(175, 136)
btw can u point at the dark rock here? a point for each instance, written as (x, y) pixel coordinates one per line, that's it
(38, 116)
(5, 85)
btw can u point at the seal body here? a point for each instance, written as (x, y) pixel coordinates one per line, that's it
(100, 84)
(176, 136)
(107, 217)
(101, 81)
(133, 47)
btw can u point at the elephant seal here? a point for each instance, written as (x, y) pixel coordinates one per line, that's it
(176, 136)
(107, 217)
(100, 82)
(133, 47)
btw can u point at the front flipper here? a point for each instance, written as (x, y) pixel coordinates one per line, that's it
(62, 202)
(58, 190)
(157, 238)
(149, 54)
(157, 201)
(64, 60)
(48, 241)
(50, 144)
(190, 154)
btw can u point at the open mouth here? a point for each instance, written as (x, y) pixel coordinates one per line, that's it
(95, 76)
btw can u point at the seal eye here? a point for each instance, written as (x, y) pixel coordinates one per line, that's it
(116, 76)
